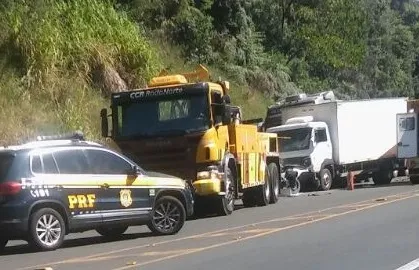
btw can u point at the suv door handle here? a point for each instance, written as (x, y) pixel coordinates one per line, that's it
(105, 186)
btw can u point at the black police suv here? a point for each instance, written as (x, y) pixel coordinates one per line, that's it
(52, 187)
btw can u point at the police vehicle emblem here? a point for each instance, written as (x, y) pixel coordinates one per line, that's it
(125, 197)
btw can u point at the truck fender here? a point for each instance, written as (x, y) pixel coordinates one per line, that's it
(329, 163)
(229, 161)
(62, 209)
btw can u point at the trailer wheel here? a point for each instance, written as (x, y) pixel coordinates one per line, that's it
(3, 243)
(414, 179)
(274, 181)
(226, 203)
(325, 179)
(382, 177)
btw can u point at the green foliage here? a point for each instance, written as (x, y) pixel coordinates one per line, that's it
(52, 50)
(194, 31)
(55, 35)
(333, 34)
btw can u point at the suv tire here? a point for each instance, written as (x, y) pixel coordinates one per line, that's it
(46, 230)
(167, 217)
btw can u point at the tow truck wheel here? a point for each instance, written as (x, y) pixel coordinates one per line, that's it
(111, 231)
(274, 181)
(47, 229)
(226, 202)
(264, 191)
(168, 216)
(325, 179)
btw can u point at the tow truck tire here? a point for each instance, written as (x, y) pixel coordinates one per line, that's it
(325, 179)
(44, 222)
(3, 243)
(225, 204)
(274, 181)
(414, 179)
(111, 231)
(167, 217)
(263, 192)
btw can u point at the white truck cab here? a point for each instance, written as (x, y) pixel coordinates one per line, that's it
(407, 143)
(304, 144)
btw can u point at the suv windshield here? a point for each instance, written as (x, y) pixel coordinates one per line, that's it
(167, 116)
(5, 164)
(294, 139)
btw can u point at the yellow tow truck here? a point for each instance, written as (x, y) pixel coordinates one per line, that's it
(185, 125)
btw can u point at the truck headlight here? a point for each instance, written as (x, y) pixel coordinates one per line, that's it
(207, 175)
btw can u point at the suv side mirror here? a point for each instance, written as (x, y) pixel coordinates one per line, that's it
(104, 118)
(135, 171)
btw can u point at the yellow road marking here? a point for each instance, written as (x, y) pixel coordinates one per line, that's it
(311, 216)
(263, 233)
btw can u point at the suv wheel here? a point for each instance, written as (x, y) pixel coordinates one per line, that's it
(168, 216)
(111, 231)
(47, 229)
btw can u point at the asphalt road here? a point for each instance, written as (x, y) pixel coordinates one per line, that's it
(368, 228)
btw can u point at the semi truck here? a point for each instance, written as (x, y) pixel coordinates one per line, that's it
(185, 125)
(325, 138)
(407, 139)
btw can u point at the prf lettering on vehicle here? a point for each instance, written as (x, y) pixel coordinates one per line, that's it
(81, 201)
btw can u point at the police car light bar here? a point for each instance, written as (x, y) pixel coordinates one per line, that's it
(78, 135)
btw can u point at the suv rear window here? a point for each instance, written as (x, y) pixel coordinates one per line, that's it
(6, 161)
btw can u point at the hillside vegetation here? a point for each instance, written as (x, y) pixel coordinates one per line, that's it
(60, 59)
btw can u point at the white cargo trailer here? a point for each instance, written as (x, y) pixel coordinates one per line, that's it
(324, 138)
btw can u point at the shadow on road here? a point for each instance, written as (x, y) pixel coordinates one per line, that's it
(79, 242)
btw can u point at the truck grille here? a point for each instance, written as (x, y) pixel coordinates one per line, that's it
(173, 156)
